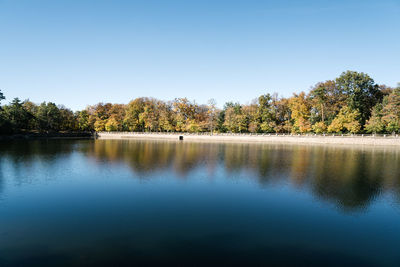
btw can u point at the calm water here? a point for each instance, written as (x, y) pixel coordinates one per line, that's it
(112, 202)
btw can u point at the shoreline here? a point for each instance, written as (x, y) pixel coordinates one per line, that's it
(38, 136)
(292, 139)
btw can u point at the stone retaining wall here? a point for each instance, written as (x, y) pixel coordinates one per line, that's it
(271, 138)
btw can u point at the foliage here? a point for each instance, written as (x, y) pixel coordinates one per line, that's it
(111, 125)
(2, 97)
(48, 117)
(361, 92)
(346, 121)
(326, 101)
(319, 127)
(375, 123)
(83, 120)
(350, 103)
(16, 115)
(133, 111)
(300, 113)
(212, 115)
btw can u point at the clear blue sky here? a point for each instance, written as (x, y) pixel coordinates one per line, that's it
(83, 52)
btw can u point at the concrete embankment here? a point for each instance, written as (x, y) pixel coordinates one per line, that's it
(266, 138)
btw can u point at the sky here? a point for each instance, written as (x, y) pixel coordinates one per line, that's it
(79, 53)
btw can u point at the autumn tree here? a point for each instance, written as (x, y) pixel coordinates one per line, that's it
(212, 115)
(326, 101)
(149, 117)
(116, 118)
(391, 111)
(252, 118)
(83, 120)
(165, 116)
(385, 90)
(386, 115)
(346, 121)
(184, 112)
(282, 114)
(349, 103)
(300, 113)
(133, 111)
(98, 115)
(112, 124)
(267, 113)
(375, 123)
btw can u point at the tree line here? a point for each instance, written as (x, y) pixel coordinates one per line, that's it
(351, 103)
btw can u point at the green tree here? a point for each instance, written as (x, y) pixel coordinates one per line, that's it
(32, 110)
(319, 99)
(68, 120)
(2, 97)
(83, 120)
(375, 123)
(133, 111)
(361, 91)
(17, 116)
(49, 117)
(391, 111)
(220, 127)
(266, 113)
(326, 100)
(5, 126)
(235, 121)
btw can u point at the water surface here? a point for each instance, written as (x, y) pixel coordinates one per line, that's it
(126, 202)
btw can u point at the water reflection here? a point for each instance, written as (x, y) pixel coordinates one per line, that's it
(22, 157)
(349, 177)
(132, 202)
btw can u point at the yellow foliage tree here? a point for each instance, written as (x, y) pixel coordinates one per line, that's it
(346, 120)
(319, 127)
(99, 125)
(112, 125)
(300, 110)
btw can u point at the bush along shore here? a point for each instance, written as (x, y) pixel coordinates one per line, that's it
(352, 103)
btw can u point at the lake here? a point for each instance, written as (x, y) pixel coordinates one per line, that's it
(126, 202)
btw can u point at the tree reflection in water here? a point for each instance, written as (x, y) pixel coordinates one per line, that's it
(348, 177)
